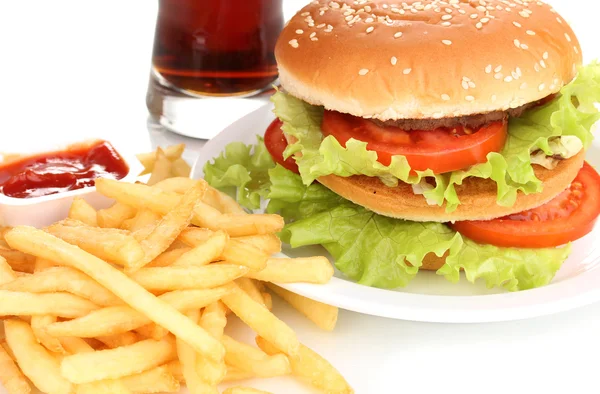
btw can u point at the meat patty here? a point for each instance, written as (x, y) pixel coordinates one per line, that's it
(471, 121)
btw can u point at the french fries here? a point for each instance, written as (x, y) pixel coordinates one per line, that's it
(65, 279)
(306, 269)
(123, 361)
(244, 390)
(162, 168)
(45, 245)
(115, 246)
(167, 230)
(10, 375)
(205, 252)
(312, 368)
(120, 319)
(135, 298)
(82, 211)
(155, 380)
(261, 320)
(114, 216)
(180, 168)
(41, 367)
(148, 160)
(39, 324)
(18, 303)
(188, 359)
(253, 360)
(177, 277)
(7, 274)
(323, 315)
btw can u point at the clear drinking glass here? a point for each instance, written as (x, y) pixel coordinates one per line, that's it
(211, 48)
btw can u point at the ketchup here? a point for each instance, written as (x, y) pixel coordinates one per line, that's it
(57, 172)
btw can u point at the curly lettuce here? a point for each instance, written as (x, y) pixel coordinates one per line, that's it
(572, 114)
(379, 251)
(242, 170)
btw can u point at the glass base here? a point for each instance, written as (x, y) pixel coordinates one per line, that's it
(197, 116)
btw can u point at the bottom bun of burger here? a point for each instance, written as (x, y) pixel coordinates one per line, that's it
(477, 196)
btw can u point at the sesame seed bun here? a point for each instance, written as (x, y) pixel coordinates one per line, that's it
(428, 59)
(477, 196)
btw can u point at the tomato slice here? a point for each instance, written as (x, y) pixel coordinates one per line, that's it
(568, 217)
(276, 143)
(441, 150)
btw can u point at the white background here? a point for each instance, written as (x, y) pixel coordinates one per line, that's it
(75, 69)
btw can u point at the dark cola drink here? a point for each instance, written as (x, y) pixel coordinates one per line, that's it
(217, 47)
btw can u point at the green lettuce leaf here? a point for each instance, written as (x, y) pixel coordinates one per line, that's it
(371, 249)
(242, 170)
(573, 113)
(379, 251)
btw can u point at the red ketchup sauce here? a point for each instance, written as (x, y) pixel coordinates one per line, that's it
(57, 172)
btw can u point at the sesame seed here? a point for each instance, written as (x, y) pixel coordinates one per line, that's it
(485, 20)
(541, 87)
(523, 86)
(446, 24)
(368, 8)
(313, 34)
(524, 14)
(447, 42)
(299, 31)
(305, 14)
(363, 71)
(488, 69)
(470, 98)
(524, 46)
(369, 20)
(508, 79)
(559, 20)
(472, 84)
(576, 50)
(446, 17)
(320, 26)
(543, 63)
(517, 43)
(407, 71)
(494, 98)
(545, 56)
(393, 60)
(465, 85)
(398, 34)
(517, 24)
(293, 43)
(536, 67)
(474, 16)
(370, 29)
(448, 10)
(445, 97)
(568, 37)
(498, 69)
(498, 76)
(314, 39)
(530, 32)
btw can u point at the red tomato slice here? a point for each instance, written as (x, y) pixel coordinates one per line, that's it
(441, 150)
(569, 216)
(276, 144)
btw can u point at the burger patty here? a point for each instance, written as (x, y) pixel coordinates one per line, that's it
(471, 121)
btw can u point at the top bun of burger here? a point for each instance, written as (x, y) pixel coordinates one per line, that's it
(391, 60)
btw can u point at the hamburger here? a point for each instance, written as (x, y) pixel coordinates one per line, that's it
(428, 135)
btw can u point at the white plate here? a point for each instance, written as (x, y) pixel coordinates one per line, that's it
(429, 297)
